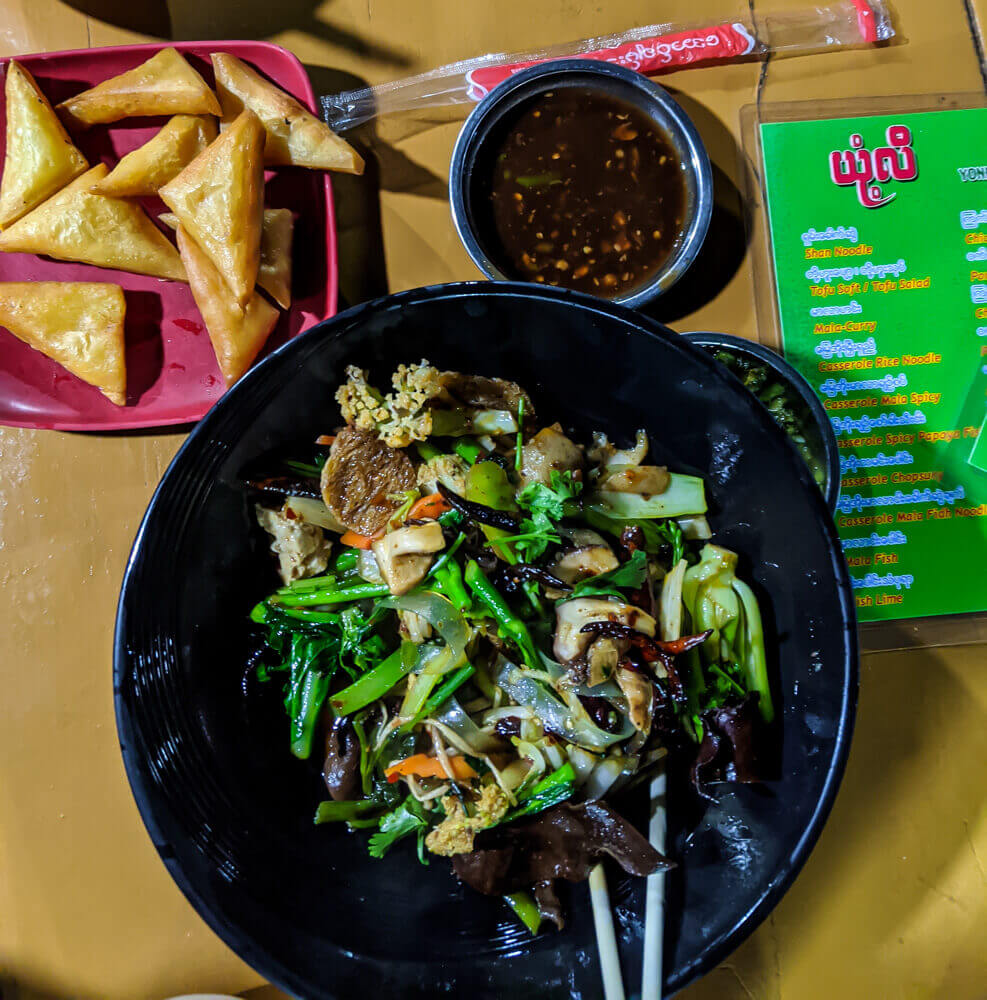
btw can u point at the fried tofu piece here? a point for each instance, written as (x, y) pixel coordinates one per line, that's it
(93, 229)
(41, 158)
(219, 200)
(163, 85)
(79, 324)
(274, 271)
(237, 332)
(144, 170)
(294, 135)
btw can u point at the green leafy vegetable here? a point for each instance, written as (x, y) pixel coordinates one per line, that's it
(329, 595)
(525, 909)
(448, 581)
(629, 575)
(718, 601)
(545, 507)
(406, 819)
(427, 451)
(487, 483)
(374, 684)
(310, 663)
(511, 627)
(442, 694)
(519, 443)
(469, 449)
(550, 791)
(685, 495)
(451, 519)
(657, 534)
(311, 470)
(343, 812)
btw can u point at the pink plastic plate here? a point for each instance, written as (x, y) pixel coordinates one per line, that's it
(172, 375)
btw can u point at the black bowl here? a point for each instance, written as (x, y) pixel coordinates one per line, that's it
(229, 809)
(815, 421)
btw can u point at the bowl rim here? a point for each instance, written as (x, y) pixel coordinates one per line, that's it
(800, 384)
(144, 790)
(683, 133)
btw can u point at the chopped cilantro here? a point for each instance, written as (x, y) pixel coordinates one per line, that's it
(545, 507)
(630, 576)
(406, 819)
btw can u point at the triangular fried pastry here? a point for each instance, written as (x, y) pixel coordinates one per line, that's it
(93, 229)
(79, 324)
(237, 332)
(294, 135)
(40, 156)
(219, 200)
(274, 272)
(163, 85)
(141, 172)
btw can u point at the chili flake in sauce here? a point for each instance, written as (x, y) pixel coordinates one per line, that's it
(587, 193)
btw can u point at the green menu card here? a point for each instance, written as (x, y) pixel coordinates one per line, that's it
(879, 239)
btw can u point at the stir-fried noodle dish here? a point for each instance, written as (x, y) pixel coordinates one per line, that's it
(488, 632)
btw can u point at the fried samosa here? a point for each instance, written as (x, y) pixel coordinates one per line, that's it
(40, 156)
(237, 332)
(219, 200)
(163, 85)
(93, 229)
(274, 272)
(79, 324)
(294, 135)
(144, 170)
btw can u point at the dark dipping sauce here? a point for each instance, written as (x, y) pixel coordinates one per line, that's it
(587, 193)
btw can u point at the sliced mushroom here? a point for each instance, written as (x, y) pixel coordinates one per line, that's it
(580, 537)
(302, 549)
(589, 560)
(486, 393)
(571, 616)
(696, 527)
(450, 470)
(604, 454)
(312, 512)
(646, 480)
(638, 691)
(602, 658)
(549, 451)
(404, 556)
(413, 627)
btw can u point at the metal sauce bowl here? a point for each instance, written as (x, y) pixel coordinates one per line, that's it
(487, 120)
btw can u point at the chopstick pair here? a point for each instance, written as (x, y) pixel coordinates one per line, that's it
(654, 911)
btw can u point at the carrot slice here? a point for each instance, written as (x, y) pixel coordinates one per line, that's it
(325, 439)
(423, 766)
(355, 541)
(429, 508)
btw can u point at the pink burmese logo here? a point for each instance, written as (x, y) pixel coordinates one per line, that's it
(867, 171)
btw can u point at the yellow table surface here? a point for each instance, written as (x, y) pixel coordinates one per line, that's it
(892, 902)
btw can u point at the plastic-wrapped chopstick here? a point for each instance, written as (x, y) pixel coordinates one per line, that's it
(656, 48)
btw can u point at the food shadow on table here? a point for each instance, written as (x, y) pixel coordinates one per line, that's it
(180, 21)
(359, 233)
(912, 710)
(726, 241)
